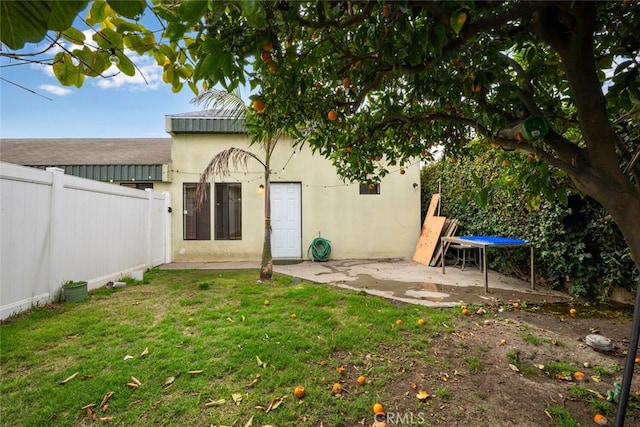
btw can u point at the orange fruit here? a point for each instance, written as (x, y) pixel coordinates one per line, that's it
(392, 163)
(378, 158)
(516, 305)
(315, 35)
(402, 171)
(573, 311)
(579, 376)
(340, 370)
(332, 115)
(399, 322)
(637, 359)
(362, 380)
(266, 56)
(266, 302)
(258, 105)
(272, 68)
(299, 392)
(268, 47)
(336, 388)
(506, 163)
(379, 424)
(346, 82)
(600, 419)
(386, 11)
(294, 316)
(421, 322)
(465, 311)
(378, 408)
(372, 187)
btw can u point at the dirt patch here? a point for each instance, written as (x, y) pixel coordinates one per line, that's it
(501, 369)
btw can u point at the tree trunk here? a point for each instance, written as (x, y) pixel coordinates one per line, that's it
(595, 170)
(266, 269)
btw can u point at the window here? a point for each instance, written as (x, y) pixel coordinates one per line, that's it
(369, 188)
(228, 215)
(196, 224)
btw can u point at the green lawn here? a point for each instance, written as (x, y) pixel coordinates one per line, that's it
(205, 332)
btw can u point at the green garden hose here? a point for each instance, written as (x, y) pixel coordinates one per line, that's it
(320, 249)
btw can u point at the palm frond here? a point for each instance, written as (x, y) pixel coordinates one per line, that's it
(219, 165)
(229, 104)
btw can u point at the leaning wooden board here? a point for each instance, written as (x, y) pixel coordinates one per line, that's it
(430, 234)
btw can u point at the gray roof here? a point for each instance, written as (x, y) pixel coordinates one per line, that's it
(204, 121)
(81, 151)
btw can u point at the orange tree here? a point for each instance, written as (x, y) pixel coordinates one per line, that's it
(402, 77)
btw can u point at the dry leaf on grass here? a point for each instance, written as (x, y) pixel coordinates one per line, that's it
(135, 380)
(144, 352)
(273, 405)
(195, 372)
(249, 423)
(237, 398)
(106, 398)
(218, 402)
(261, 363)
(106, 419)
(254, 382)
(69, 378)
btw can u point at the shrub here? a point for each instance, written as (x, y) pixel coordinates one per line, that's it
(493, 192)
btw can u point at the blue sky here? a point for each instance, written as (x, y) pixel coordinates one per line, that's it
(115, 107)
(119, 107)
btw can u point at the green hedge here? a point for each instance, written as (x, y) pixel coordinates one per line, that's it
(577, 248)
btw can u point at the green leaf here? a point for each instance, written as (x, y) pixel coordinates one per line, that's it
(93, 62)
(108, 39)
(192, 11)
(74, 36)
(254, 12)
(125, 65)
(457, 21)
(97, 12)
(24, 22)
(64, 69)
(131, 8)
(561, 194)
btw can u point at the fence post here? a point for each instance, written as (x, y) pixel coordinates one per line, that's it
(149, 227)
(167, 227)
(56, 248)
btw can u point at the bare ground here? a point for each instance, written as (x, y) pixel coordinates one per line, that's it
(468, 375)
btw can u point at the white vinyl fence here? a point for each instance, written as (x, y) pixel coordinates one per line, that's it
(56, 228)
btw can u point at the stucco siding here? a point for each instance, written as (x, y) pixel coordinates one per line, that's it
(359, 226)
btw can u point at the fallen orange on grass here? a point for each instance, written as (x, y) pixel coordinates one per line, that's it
(399, 322)
(266, 302)
(299, 392)
(600, 420)
(421, 322)
(579, 376)
(362, 380)
(336, 388)
(340, 370)
(378, 408)
(294, 316)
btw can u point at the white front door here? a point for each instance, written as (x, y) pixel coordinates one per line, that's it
(286, 220)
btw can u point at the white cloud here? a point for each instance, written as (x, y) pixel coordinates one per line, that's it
(148, 75)
(55, 90)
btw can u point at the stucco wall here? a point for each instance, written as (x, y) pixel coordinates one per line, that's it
(359, 226)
